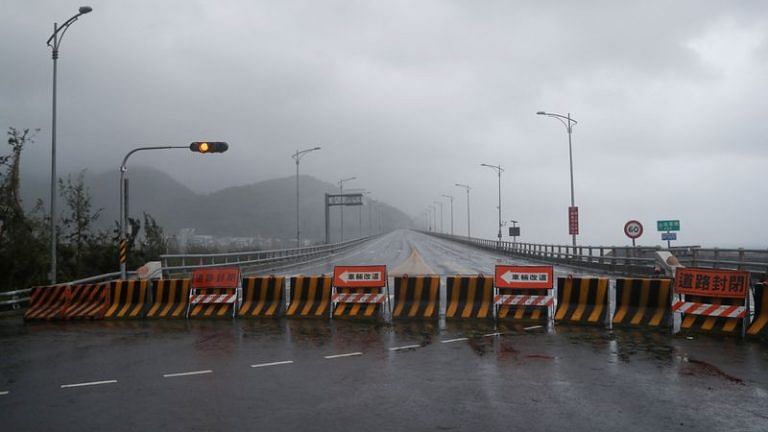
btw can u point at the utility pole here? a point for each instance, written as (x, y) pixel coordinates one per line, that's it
(450, 197)
(467, 189)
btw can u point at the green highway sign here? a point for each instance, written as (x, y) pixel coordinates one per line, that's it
(668, 225)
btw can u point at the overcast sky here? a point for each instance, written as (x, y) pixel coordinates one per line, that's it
(412, 96)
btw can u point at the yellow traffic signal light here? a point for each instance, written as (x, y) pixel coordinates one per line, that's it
(209, 147)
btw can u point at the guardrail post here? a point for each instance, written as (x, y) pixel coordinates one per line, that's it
(741, 259)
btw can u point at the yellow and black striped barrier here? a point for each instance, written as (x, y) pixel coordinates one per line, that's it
(170, 298)
(582, 300)
(759, 326)
(469, 297)
(127, 299)
(715, 324)
(522, 312)
(222, 304)
(417, 297)
(310, 297)
(643, 302)
(263, 296)
(345, 309)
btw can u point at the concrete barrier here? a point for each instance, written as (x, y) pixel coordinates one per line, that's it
(127, 299)
(310, 297)
(469, 297)
(643, 302)
(417, 297)
(170, 298)
(582, 300)
(263, 296)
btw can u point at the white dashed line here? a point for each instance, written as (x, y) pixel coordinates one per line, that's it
(92, 383)
(171, 375)
(454, 340)
(272, 364)
(343, 355)
(532, 327)
(492, 334)
(405, 347)
(3, 393)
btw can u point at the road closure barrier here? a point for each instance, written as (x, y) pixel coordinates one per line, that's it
(469, 297)
(359, 291)
(310, 297)
(214, 292)
(759, 326)
(643, 302)
(712, 300)
(47, 302)
(263, 296)
(582, 300)
(417, 297)
(524, 293)
(86, 301)
(127, 299)
(170, 298)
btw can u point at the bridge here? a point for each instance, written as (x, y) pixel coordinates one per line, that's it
(389, 374)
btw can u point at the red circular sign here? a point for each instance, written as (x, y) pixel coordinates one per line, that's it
(633, 229)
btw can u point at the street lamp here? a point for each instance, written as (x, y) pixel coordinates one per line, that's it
(54, 42)
(341, 192)
(467, 188)
(297, 157)
(450, 197)
(197, 146)
(498, 170)
(568, 122)
(440, 203)
(360, 213)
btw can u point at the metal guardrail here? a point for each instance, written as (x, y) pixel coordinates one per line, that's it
(181, 264)
(628, 260)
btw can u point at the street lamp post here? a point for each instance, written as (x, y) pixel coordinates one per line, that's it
(54, 42)
(200, 147)
(569, 123)
(450, 197)
(467, 189)
(440, 203)
(341, 192)
(297, 157)
(498, 170)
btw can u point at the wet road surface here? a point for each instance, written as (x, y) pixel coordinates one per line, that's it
(340, 375)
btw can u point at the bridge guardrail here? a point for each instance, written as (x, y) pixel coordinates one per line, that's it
(629, 260)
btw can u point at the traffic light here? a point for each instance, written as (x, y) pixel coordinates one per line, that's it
(209, 147)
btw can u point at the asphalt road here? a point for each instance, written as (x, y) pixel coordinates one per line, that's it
(318, 375)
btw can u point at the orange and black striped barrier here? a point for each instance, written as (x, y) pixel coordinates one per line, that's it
(524, 292)
(127, 299)
(47, 302)
(712, 300)
(87, 301)
(310, 297)
(359, 291)
(582, 300)
(170, 298)
(643, 302)
(213, 303)
(759, 326)
(263, 296)
(417, 297)
(469, 297)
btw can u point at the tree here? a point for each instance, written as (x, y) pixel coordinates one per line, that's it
(77, 223)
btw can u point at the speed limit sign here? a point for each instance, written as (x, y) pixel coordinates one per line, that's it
(633, 229)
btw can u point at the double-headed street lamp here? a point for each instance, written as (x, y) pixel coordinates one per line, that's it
(450, 197)
(498, 170)
(341, 192)
(573, 221)
(297, 157)
(467, 189)
(54, 41)
(197, 146)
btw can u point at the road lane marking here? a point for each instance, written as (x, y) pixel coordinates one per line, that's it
(453, 340)
(405, 347)
(272, 364)
(532, 327)
(92, 383)
(492, 334)
(201, 372)
(3, 393)
(329, 357)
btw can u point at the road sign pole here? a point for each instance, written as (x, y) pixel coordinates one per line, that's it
(669, 242)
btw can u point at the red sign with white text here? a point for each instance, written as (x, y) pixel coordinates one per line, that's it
(221, 277)
(524, 277)
(573, 220)
(712, 283)
(360, 276)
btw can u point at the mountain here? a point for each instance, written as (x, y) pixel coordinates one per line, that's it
(266, 209)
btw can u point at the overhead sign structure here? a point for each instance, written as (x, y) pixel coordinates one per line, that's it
(668, 225)
(360, 276)
(573, 220)
(206, 278)
(524, 277)
(712, 283)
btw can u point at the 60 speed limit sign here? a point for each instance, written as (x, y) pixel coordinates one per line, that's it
(633, 229)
